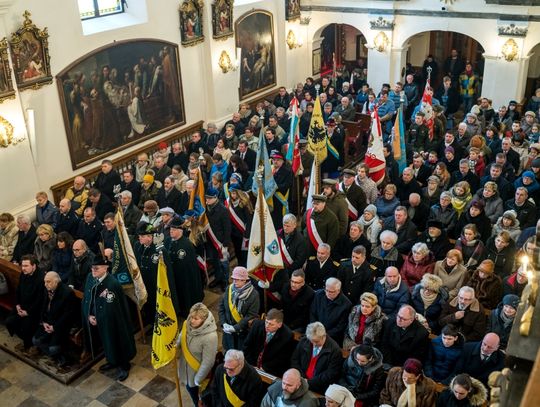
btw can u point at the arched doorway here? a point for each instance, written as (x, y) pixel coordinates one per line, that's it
(348, 45)
(440, 44)
(533, 74)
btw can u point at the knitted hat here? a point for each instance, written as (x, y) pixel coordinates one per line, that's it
(148, 178)
(236, 176)
(434, 178)
(471, 115)
(536, 163)
(478, 204)
(340, 395)
(511, 299)
(240, 273)
(431, 282)
(511, 214)
(413, 366)
(449, 149)
(371, 209)
(528, 174)
(487, 267)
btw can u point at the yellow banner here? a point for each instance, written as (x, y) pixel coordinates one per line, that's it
(317, 134)
(166, 324)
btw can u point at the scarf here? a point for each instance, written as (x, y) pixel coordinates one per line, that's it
(477, 253)
(507, 321)
(427, 299)
(239, 295)
(408, 397)
(366, 223)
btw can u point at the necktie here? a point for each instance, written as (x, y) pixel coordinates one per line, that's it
(269, 335)
(242, 155)
(316, 351)
(354, 269)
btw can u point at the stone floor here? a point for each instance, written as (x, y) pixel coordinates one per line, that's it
(23, 386)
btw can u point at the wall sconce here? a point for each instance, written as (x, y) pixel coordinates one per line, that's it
(6, 134)
(225, 62)
(381, 42)
(510, 50)
(292, 42)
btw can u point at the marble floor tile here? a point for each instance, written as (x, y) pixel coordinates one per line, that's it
(158, 388)
(96, 403)
(74, 398)
(95, 384)
(33, 402)
(138, 377)
(172, 399)
(13, 396)
(50, 391)
(139, 400)
(116, 395)
(4, 384)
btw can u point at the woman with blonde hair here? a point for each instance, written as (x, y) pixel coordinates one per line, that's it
(366, 322)
(461, 196)
(451, 271)
(197, 346)
(44, 246)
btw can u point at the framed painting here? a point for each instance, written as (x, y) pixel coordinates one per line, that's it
(316, 61)
(191, 25)
(222, 17)
(254, 33)
(6, 84)
(119, 95)
(292, 10)
(30, 55)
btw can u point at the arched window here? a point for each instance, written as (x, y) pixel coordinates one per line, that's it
(100, 8)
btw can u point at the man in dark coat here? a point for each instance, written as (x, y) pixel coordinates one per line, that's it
(132, 214)
(436, 239)
(189, 287)
(480, 359)
(108, 231)
(23, 320)
(270, 344)
(404, 337)
(525, 209)
(100, 202)
(337, 203)
(331, 307)
(318, 358)
(324, 221)
(178, 157)
(404, 228)
(66, 218)
(355, 275)
(355, 196)
(284, 180)
(296, 299)
(406, 185)
(505, 188)
(25, 239)
(320, 267)
(450, 141)
(107, 179)
(130, 184)
(105, 313)
(391, 291)
(57, 307)
(246, 154)
(89, 230)
(81, 265)
(238, 380)
(282, 99)
(292, 244)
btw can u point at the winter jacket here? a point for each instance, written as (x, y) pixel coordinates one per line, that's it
(391, 300)
(504, 259)
(44, 252)
(331, 313)
(496, 325)
(399, 344)
(372, 330)
(482, 222)
(441, 361)
(426, 393)
(296, 309)
(494, 205)
(453, 280)
(302, 397)
(379, 264)
(512, 286)
(364, 382)
(476, 397)
(472, 326)
(513, 230)
(439, 246)
(248, 387)
(385, 208)
(46, 214)
(432, 312)
(448, 216)
(412, 272)
(487, 290)
(8, 240)
(202, 343)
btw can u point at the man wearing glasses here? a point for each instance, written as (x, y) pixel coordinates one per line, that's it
(466, 313)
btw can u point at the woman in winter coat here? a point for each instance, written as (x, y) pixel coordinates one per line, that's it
(461, 196)
(444, 352)
(493, 202)
(44, 246)
(385, 254)
(487, 285)
(501, 318)
(62, 255)
(502, 250)
(363, 375)
(407, 386)
(509, 223)
(471, 247)
(432, 192)
(418, 263)
(197, 346)
(444, 212)
(452, 272)
(427, 299)
(387, 202)
(464, 391)
(366, 322)
(367, 184)
(476, 215)
(371, 223)
(9, 234)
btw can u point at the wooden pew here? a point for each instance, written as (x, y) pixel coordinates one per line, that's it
(11, 272)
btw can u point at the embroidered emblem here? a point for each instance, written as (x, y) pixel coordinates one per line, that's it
(155, 258)
(181, 253)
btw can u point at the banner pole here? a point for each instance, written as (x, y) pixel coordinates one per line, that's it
(141, 325)
(177, 381)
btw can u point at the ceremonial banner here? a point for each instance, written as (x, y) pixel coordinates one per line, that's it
(374, 154)
(317, 144)
(312, 189)
(197, 202)
(427, 106)
(124, 264)
(398, 142)
(165, 325)
(293, 151)
(262, 162)
(264, 256)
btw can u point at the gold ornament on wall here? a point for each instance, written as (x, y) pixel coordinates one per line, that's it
(510, 50)
(6, 133)
(292, 41)
(381, 41)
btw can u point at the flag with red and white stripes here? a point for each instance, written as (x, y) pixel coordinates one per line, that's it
(374, 154)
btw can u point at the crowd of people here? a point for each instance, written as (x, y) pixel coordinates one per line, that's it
(387, 289)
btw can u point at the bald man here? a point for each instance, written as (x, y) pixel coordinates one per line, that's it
(479, 359)
(66, 218)
(291, 390)
(417, 210)
(56, 319)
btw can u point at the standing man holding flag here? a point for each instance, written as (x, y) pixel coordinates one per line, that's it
(354, 194)
(375, 154)
(294, 157)
(283, 178)
(398, 141)
(219, 238)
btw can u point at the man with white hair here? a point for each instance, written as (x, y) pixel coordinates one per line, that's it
(320, 267)
(132, 213)
(318, 358)
(331, 307)
(346, 109)
(291, 390)
(292, 244)
(26, 238)
(236, 383)
(466, 313)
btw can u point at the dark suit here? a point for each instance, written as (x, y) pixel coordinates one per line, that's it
(356, 196)
(316, 275)
(250, 158)
(512, 158)
(25, 243)
(247, 386)
(296, 308)
(134, 187)
(471, 362)
(354, 284)
(424, 172)
(105, 183)
(398, 345)
(103, 207)
(173, 199)
(333, 314)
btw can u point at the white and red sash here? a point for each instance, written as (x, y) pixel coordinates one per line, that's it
(238, 223)
(285, 255)
(201, 263)
(313, 234)
(353, 212)
(215, 241)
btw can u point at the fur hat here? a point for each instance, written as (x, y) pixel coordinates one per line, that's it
(511, 214)
(487, 267)
(431, 282)
(151, 205)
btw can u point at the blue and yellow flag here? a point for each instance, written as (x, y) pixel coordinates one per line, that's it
(262, 163)
(197, 201)
(316, 136)
(398, 142)
(166, 323)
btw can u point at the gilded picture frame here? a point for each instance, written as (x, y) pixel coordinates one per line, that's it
(6, 83)
(30, 55)
(222, 19)
(191, 22)
(316, 61)
(254, 35)
(292, 10)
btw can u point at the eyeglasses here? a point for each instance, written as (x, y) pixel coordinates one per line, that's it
(402, 318)
(230, 369)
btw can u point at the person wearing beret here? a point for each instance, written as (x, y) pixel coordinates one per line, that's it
(436, 239)
(502, 318)
(319, 225)
(105, 316)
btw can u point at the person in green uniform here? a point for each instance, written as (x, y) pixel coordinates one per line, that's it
(106, 317)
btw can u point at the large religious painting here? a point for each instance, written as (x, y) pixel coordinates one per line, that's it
(6, 84)
(30, 55)
(292, 10)
(191, 24)
(222, 17)
(119, 95)
(254, 33)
